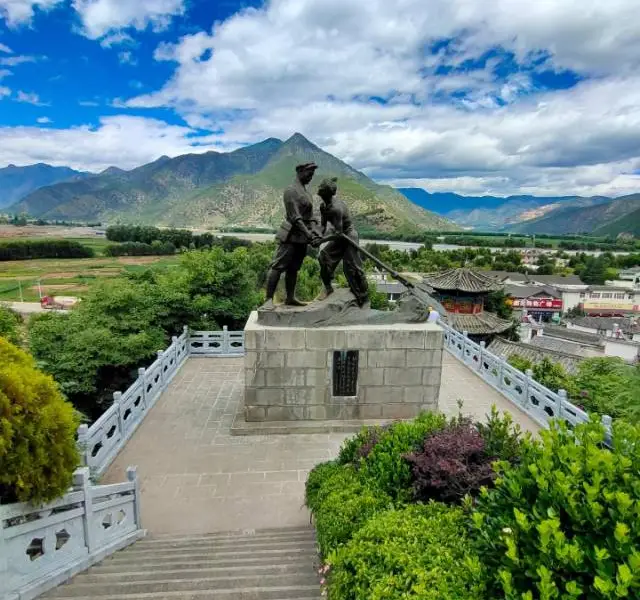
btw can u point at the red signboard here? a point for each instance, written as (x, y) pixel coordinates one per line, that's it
(549, 303)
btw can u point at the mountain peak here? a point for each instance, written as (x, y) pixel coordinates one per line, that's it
(112, 171)
(299, 141)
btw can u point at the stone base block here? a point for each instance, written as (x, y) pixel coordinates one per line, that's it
(344, 373)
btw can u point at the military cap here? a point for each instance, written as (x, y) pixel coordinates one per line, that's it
(306, 167)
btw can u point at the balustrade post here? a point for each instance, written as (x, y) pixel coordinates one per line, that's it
(83, 443)
(527, 383)
(161, 359)
(117, 403)
(142, 376)
(132, 475)
(483, 346)
(82, 483)
(187, 339)
(465, 337)
(174, 346)
(501, 363)
(4, 558)
(562, 399)
(225, 340)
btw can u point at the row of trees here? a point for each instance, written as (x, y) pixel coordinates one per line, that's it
(155, 248)
(32, 249)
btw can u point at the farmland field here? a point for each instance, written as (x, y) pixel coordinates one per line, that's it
(25, 280)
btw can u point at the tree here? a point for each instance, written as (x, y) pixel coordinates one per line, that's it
(9, 322)
(37, 431)
(220, 287)
(97, 348)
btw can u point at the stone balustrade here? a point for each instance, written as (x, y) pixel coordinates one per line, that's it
(43, 546)
(539, 402)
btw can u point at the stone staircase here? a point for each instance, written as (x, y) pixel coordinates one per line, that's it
(278, 564)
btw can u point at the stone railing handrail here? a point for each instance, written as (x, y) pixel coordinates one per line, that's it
(538, 401)
(43, 546)
(101, 442)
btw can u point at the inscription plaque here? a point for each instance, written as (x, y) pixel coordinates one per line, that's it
(345, 372)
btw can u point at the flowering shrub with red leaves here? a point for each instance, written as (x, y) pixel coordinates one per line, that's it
(453, 462)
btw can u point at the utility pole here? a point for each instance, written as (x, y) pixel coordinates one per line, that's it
(39, 289)
(20, 288)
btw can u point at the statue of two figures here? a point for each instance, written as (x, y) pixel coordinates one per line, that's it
(301, 229)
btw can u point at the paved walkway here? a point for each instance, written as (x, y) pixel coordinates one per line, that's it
(197, 478)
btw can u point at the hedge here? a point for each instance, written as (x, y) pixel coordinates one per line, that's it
(30, 249)
(420, 552)
(37, 431)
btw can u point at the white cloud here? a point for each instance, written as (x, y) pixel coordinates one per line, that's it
(127, 58)
(313, 67)
(116, 39)
(19, 12)
(88, 103)
(5, 73)
(29, 98)
(14, 61)
(4, 91)
(4, 48)
(106, 17)
(44, 120)
(96, 148)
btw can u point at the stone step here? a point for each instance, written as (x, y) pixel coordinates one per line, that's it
(161, 566)
(297, 592)
(100, 576)
(215, 546)
(275, 554)
(236, 539)
(79, 587)
(238, 534)
(241, 427)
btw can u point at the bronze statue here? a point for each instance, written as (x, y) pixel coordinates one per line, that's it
(298, 230)
(335, 213)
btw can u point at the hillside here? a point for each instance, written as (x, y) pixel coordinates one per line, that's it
(491, 213)
(581, 219)
(18, 182)
(629, 223)
(241, 188)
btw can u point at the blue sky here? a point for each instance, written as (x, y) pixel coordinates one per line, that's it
(453, 95)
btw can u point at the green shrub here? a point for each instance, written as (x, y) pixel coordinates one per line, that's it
(317, 483)
(503, 438)
(343, 507)
(419, 552)
(519, 362)
(359, 446)
(9, 322)
(385, 467)
(565, 522)
(37, 431)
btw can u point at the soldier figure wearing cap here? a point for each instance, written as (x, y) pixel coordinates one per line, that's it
(335, 212)
(296, 232)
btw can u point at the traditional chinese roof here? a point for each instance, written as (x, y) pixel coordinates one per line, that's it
(483, 323)
(560, 345)
(626, 324)
(572, 335)
(529, 291)
(463, 280)
(505, 349)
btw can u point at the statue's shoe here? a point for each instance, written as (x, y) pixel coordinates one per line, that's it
(268, 305)
(323, 295)
(295, 302)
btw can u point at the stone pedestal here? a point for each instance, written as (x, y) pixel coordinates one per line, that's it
(344, 373)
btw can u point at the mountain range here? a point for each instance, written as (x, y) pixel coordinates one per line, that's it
(240, 188)
(18, 182)
(597, 215)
